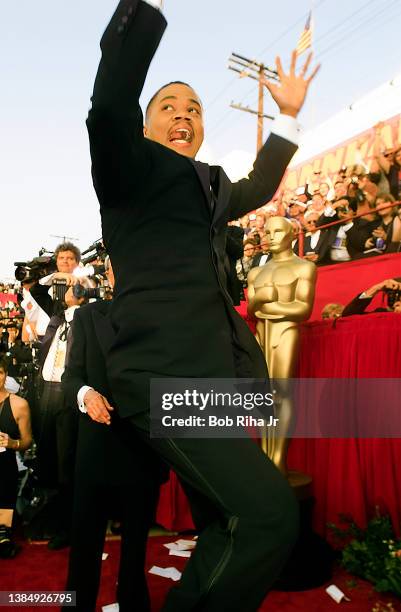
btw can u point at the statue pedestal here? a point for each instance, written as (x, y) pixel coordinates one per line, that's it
(310, 564)
(301, 484)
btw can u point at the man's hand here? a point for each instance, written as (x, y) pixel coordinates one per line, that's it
(97, 406)
(311, 257)
(380, 233)
(70, 279)
(291, 92)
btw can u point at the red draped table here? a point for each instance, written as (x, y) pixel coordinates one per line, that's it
(350, 476)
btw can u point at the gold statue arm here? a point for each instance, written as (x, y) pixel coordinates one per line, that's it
(252, 303)
(297, 310)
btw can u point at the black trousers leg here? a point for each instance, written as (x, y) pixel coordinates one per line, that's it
(138, 507)
(241, 552)
(89, 523)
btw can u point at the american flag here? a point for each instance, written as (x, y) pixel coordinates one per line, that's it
(305, 40)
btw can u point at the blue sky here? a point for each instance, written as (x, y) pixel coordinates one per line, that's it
(49, 53)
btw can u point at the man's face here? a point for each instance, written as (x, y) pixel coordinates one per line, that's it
(340, 189)
(175, 120)
(66, 262)
(383, 207)
(260, 222)
(317, 201)
(294, 210)
(310, 221)
(279, 233)
(249, 250)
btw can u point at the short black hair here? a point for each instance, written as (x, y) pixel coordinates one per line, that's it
(152, 99)
(68, 246)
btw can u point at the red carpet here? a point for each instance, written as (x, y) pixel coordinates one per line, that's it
(37, 568)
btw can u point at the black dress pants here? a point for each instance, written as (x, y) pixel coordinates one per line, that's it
(251, 531)
(56, 450)
(92, 508)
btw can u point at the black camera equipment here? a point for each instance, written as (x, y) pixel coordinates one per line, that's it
(98, 293)
(35, 269)
(59, 289)
(393, 296)
(94, 252)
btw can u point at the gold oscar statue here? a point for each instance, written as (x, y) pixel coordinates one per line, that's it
(281, 295)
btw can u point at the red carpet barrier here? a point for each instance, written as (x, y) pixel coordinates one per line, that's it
(349, 476)
(341, 282)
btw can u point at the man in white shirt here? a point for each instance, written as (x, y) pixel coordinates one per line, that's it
(55, 431)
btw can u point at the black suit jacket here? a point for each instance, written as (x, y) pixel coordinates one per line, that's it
(234, 250)
(258, 257)
(105, 454)
(169, 319)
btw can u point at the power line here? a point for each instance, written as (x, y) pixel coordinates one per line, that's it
(208, 105)
(366, 20)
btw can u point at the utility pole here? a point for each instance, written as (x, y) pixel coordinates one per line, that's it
(257, 71)
(64, 238)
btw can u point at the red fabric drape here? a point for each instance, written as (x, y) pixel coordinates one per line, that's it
(349, 476)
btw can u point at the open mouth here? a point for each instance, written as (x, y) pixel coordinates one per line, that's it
(181, 136)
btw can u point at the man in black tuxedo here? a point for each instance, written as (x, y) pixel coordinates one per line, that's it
(172, 320)
(112, 474)
(56, 428)
(264, 256)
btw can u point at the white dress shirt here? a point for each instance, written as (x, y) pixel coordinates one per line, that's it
(54, 365)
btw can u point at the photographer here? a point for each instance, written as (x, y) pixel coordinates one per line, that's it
(391, 287)
(36, 276)
(57, 427)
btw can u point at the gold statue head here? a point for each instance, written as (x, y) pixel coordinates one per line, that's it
(280, 234)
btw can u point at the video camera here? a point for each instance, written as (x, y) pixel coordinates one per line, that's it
(34, 270)
(95, 251)
(393, 296)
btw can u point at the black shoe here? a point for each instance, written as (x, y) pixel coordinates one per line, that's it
(58, 541)
(8, 549)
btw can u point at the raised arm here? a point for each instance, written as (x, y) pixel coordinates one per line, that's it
(275, 155)
(115, 121)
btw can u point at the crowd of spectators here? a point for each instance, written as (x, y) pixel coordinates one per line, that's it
(353, 215)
